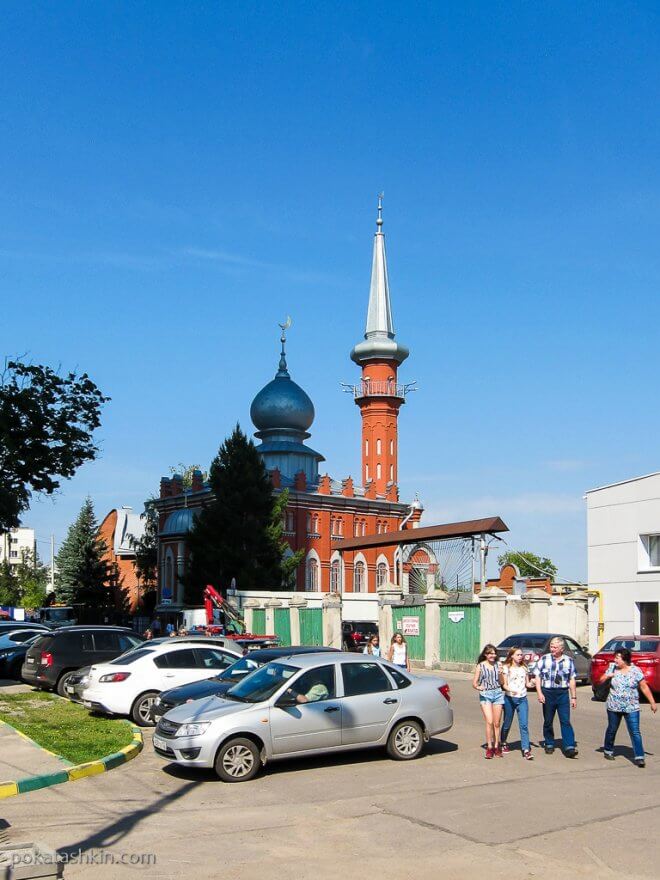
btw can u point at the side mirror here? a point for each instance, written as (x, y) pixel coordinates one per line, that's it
(286, 701)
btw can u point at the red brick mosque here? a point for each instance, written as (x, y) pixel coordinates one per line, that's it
(322, 510)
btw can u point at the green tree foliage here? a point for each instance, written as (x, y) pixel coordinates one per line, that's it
(529, 564)
(9, 594)
(32, 577)
(81, 572)
(146, 554)
(46, 423)
(186, 471)
(238, 533)
(288, 564)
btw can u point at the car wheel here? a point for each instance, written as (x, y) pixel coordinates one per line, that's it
(140, 712)
(62, 682)
(238, 760)
(406, 741)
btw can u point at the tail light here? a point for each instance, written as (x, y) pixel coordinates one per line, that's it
(46, 658)
(115, 676)
(445, 690)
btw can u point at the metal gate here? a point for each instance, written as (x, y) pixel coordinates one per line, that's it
(311, 626)
(259, 621)
(283, 626)
(411, 623)
(460, 633)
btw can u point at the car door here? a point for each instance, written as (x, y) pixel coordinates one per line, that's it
(106, 645)
(368, 704)
(178, 666)
(580, 658)
(315, 724)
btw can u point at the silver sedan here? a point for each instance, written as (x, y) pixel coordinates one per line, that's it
(304, 705)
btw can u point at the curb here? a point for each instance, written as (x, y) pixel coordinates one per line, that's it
(74, 772)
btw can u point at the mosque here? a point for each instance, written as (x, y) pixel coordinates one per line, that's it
(322, 511)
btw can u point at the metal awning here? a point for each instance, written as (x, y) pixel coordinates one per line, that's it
(472, 527)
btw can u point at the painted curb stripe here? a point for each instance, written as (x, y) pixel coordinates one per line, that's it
(72, 774)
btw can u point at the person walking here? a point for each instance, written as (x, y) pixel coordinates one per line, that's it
(487, 680)
(626, 681)
(398, 652)
(373, 646)
(557, 693)
(515, 681)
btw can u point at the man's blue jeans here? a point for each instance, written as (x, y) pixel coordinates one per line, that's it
(521, 706)
(557, 700)
(632, 723)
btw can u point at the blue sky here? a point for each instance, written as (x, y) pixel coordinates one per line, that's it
(177, 178)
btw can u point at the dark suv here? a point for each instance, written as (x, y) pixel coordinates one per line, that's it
(53, 657)
(356, 633)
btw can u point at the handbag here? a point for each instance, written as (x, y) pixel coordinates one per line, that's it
(602, 691)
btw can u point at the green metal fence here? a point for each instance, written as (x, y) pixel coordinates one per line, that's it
(411, 623)
(283, 626)
(311, 626)
(460, 633)
(259, 621)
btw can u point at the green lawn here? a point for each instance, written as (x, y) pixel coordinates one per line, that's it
(63, 727)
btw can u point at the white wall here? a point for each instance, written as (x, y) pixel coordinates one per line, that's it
(616, 517)
(13, 543)
(355, 606)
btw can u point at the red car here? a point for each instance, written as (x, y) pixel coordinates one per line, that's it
(645, 652)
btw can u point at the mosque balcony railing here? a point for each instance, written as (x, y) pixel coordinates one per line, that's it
(379, 388)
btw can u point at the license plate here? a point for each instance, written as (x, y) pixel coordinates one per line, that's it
(30, 659)
(160, 743)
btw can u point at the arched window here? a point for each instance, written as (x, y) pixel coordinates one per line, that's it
(366, 472)
(169, 573)
(381, 574)
(364, 527)
(366, 447)
(290, 522)
(335, 576)
(312, 574)
(391, 447)
(378, 471)
(360, 578)
(392, 472)
(340, 524)
(378, 446)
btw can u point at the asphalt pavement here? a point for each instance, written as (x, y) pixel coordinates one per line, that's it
(450, 813)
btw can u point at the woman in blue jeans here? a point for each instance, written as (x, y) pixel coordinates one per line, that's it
(516, 680)
(488, 681)
(623, 702)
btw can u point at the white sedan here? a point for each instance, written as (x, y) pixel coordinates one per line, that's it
(130, 684)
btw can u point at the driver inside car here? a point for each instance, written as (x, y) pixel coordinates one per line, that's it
(318, 691)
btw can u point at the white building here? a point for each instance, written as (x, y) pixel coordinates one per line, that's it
(623, 536)
(14, 543)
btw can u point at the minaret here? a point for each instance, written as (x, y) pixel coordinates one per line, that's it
(378, 395)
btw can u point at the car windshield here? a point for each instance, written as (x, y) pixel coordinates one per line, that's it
(631, 644)
(262, 683)
(58, 614)
(237, 670)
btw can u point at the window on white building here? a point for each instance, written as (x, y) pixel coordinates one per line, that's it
(649, 556)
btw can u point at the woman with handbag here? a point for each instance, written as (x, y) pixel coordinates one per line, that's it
(626, 681)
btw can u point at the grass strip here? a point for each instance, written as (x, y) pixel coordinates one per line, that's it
(63, 727)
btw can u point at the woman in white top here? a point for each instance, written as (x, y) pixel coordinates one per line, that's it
(398, 653)
(373, 646)
(516, 680)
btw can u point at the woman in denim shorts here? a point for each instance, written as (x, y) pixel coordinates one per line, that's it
(488, 681)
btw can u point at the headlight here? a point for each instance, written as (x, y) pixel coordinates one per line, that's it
(193, 729)
(4, 655)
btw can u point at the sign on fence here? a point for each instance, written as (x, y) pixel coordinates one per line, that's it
(410, 626)
(456, 616)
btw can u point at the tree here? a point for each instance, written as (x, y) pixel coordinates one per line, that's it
(288, 564)
(529, 564)
(186, 471)
(46, 423)
(9, 594)
(32, 578)
(81, 572)
(234, 535)
(146, 553)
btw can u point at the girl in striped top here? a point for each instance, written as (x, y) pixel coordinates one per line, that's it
(488, 681)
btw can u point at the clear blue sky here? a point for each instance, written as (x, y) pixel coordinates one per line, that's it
(176, 178)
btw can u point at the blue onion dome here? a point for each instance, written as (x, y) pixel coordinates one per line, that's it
(282, 404)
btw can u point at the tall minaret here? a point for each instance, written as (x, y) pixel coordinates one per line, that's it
(378, 395)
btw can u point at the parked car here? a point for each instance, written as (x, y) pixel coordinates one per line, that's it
(534, 645)
(13, 625)
(645, 652)
(54, 656)
(129, 685)
(221, 683)
(356, 633)
(13, 648)
(78, 681)
(306, 704)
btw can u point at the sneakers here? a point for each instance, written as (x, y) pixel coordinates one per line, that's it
(505, 748)
(490, 753)
(608, 756)
(640, 762)
(571, 753)
(527, 755)
(549, 750)
(498, 752)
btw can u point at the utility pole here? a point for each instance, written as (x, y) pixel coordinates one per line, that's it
(52, 564)
(482, 552)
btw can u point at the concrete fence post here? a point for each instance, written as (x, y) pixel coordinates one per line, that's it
(492, 601)
(389, 594)
(434, 599)
(295, 604)
(270, 606)
(248, 613)
(332, 633)
(579, 601)
(539, 610)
